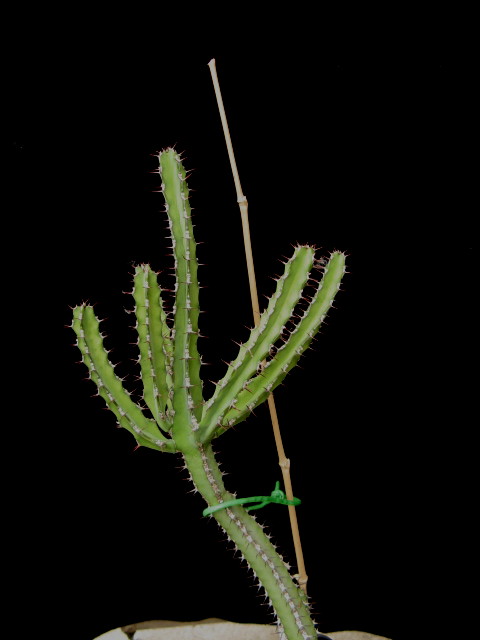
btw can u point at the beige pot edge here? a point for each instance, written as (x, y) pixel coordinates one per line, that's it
(212, 629)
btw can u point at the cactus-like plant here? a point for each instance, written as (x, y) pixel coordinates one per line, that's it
(182, 420)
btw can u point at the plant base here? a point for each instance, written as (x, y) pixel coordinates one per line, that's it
(212, 629)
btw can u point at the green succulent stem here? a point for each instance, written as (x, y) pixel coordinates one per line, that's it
(174, 416)
(286, 597)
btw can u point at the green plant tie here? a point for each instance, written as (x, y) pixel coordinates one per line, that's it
(276, 496)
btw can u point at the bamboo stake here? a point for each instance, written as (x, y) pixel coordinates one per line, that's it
(283, 461)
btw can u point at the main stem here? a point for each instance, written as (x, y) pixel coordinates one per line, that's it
(286, 597)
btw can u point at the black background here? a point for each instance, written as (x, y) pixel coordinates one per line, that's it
(353, 143)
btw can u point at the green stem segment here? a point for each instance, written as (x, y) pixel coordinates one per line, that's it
(187, 398)
(288, 600)
(155, 346)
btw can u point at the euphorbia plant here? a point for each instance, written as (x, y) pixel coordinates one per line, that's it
(181, 420)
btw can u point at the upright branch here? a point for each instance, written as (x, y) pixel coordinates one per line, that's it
(187, 385)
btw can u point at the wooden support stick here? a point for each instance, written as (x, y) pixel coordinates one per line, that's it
(283, 461)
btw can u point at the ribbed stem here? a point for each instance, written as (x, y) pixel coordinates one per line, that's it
(187, 387)
(286, 597)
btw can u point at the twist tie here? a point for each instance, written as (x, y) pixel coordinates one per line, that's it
(276, 496)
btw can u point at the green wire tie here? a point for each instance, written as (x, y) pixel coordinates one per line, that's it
(276, 496)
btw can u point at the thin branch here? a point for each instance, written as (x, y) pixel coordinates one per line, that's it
(283, 461)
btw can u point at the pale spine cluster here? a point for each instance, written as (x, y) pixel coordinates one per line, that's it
(181, 420)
